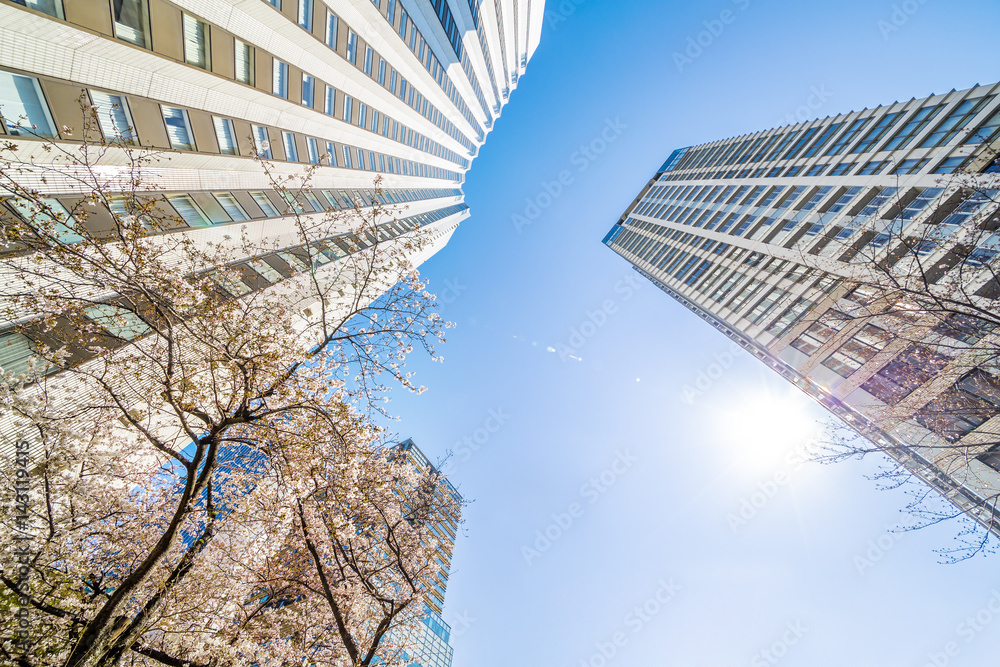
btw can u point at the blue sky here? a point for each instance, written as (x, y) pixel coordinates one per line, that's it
(603, 442)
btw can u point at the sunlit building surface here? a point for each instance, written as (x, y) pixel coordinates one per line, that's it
(432, 642)
(405, 90)
(760, 235)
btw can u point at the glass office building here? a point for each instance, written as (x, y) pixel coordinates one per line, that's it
(772, 238)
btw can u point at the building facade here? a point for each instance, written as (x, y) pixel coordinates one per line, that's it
(357, 89)
(806, 244)
(432, 642)
(354, 90)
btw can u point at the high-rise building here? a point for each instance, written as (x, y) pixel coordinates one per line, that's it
(432, 643)
(801, 242)
(405, 90)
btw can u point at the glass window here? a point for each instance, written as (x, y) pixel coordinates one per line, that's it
(265, 204)
(963, 407)
(381, 72)
(347, 157)
(232, 207)
(178, 128)
(131, 21)
(369, 56)
(195, 42)
(291, 152)
(52, 212)
(226, 134)
(906, 372)
(313, 150)
(189, 211)
(874, 135)
(15, 351)
(117, 321)
(873, 167)
(263, 143)
(391, 12)
(23, 106)
(956, 121)
(244, 63)
(308, 90)
(842, 168)
(269, 273)
(950, 166)
(113, 116)
(231, 283)
(848, 136)
(332, 23)
(913, 127)
(329, 103)
(274, 3)
(280, 79)
(985, 131)
(348, 103)
(331, 153)
(306, 14)
(50, 7)
(352, 47)
(910, 166)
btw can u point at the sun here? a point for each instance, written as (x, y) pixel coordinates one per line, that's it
(761, 429)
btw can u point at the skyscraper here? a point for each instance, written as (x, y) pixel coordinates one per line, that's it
(809, 245)
(433, 640)
(405, 90)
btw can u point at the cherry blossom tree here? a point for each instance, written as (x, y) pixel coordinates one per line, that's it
(178, 379)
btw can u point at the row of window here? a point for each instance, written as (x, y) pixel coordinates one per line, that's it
(946, 166)
(213, 208)
(122, 323)
(790, 144)
(411, 36)
(25, 112)
(196, 45)
(378, 68)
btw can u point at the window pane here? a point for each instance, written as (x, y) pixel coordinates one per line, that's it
(195, 42)
(266, 270)
(313, 150)
(280, 79)
(226, 135)
(263, 144)
(113, 117)
(117, 321)
(131, 19)
(50, 7)
(22, 96)
(15, 351)
(64, 223)
(329, 102)
(352, 47)
(189, 211)
(231, 206)
(244, 62)
(291, 152)
(306, 14)
(265, 204)
(331, 153)
(308, 86)
(178, 128)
